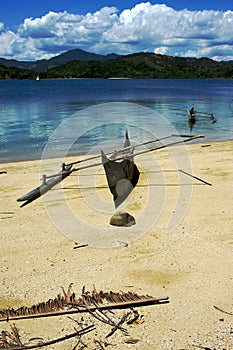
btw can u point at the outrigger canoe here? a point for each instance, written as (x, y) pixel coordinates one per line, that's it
(127, 152)
(192, 116)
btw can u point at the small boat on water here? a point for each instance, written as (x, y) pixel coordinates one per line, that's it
(192, 116)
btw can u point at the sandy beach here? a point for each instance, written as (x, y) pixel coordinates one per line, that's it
(192, 265)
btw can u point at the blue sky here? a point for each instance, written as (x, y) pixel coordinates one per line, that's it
(36, 29)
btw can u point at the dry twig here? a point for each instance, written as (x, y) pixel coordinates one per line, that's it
(201, 347)
(12, 340)
(118, 325)
(225, 312)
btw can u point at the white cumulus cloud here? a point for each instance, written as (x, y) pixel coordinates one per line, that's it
(145, 27)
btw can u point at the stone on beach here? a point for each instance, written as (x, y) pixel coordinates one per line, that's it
(122, 218)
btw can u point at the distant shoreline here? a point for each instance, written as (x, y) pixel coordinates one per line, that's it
(114, 78)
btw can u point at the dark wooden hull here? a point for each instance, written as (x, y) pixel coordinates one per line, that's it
(42, 189)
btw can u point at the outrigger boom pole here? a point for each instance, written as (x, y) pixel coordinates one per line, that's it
(50, 181)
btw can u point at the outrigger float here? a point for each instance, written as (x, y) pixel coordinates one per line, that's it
(127, 169)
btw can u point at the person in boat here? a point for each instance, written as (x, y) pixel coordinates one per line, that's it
(212, 117)
(192, 116)
(192, 112)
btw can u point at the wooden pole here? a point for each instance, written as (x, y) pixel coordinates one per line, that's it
(125, 149)
(195, 177)
(190, 137)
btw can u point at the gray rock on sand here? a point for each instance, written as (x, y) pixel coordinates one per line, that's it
(122, 218)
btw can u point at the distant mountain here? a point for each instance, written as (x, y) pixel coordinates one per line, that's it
(144, 65)
(71, 55)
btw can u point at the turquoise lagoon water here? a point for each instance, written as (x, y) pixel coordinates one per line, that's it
(84, 113)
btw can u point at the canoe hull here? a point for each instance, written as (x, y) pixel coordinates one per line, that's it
(42, 189)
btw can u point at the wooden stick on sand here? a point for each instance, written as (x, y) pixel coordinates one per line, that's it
(195, 177)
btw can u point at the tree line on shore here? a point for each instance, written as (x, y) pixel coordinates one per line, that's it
(139, 65)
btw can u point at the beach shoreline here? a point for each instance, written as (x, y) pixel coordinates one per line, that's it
(83, 154)
(192, 265)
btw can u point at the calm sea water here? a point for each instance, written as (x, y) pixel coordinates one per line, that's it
(76, 116)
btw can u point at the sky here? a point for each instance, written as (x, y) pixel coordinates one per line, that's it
(40, 29)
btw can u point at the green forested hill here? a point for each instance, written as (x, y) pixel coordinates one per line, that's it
(15, 73)
(139, 65)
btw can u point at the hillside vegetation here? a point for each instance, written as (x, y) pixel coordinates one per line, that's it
(139, 65)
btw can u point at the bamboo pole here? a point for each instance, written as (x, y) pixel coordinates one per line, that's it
(121, 150)
(190, 138)
(125, 149)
